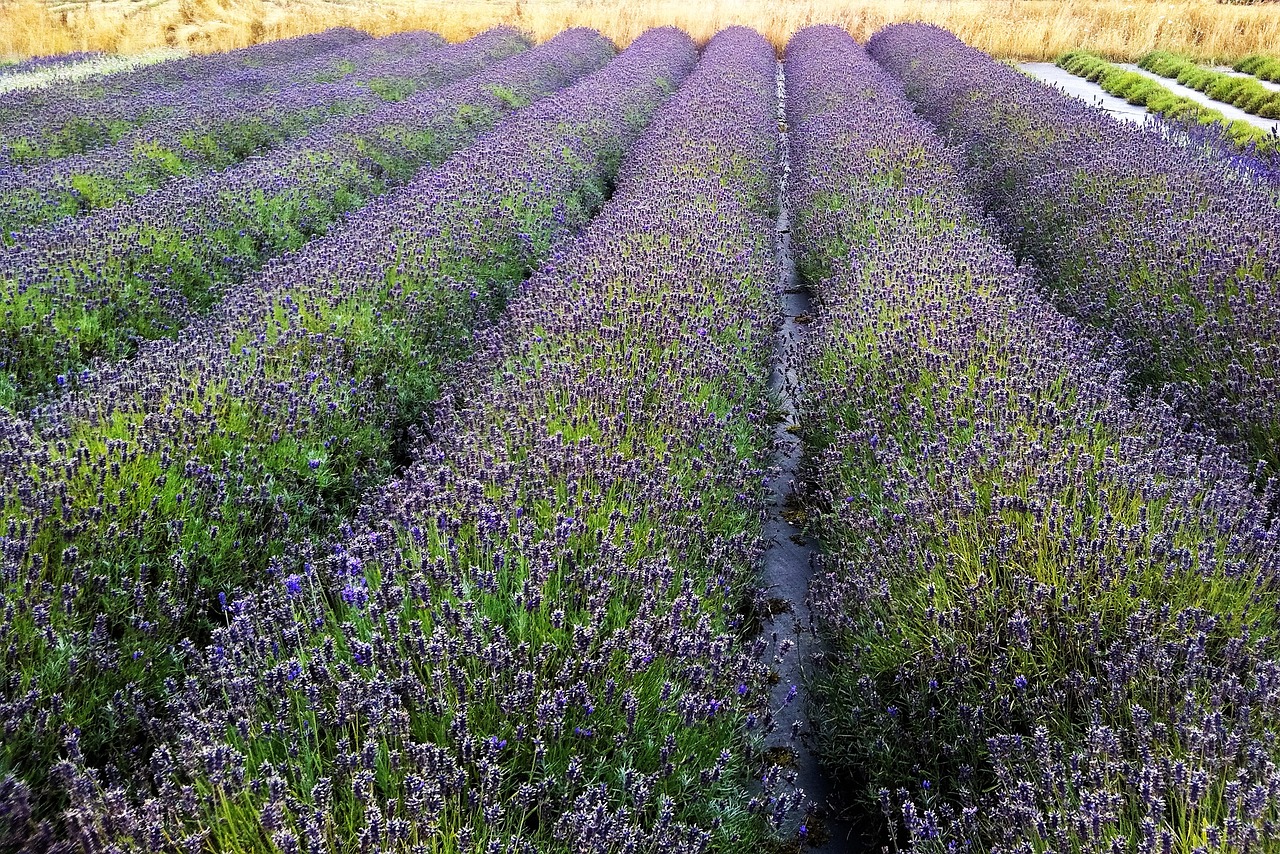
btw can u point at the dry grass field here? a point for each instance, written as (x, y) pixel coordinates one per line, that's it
(1023, 29)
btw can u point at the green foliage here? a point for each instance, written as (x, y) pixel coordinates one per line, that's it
(94, 192)
(392, 88)
(1242, 92)
(1140, 90)
(1260, 65)
(161, 159)
(79, 134)
(335, 72)
(510, 98)
(8, 391)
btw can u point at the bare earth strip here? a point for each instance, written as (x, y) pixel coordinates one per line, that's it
(788, 560)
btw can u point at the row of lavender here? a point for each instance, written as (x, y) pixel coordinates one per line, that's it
(204, 133)
(59, 73)
(35, 63)
(1174, 259)
(1052, 612)
(141, 507)
(179, 71)
(533, 640)
(99, 286)
(64, 118)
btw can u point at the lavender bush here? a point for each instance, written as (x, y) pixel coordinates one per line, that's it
(1052, 611)
(1211, 143)
(98, 286)
(201, 136)
(228, 450)
(52, 121)
(1174, 258)
(531, 641)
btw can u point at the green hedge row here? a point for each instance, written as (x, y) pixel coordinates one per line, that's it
(1243, 92)
(1143, 91)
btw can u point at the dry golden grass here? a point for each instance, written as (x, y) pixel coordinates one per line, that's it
(1024, 29)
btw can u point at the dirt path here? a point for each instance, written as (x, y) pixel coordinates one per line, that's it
(788, 560)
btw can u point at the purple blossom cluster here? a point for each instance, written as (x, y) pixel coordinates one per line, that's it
(533, 640)
(53, 121)
(1172, 256)
(140, 508)
(1052, 610)
(202, 134)
(97, 286)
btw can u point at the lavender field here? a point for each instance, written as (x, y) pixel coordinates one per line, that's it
(500, 446)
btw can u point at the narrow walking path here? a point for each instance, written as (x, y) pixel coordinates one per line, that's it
(1080, 88)
(1233, 113)
(788, 559)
